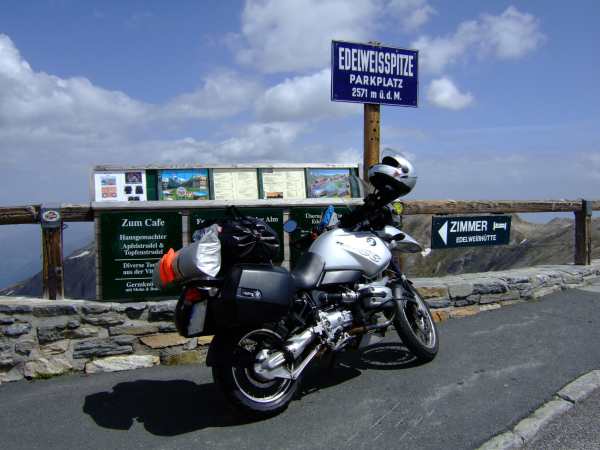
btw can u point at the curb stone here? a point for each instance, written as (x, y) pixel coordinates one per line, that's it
(581, 388)
(530, 426)
(524, 431)
(505, 441)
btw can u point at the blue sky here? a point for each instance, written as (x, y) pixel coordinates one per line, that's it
(509, 101)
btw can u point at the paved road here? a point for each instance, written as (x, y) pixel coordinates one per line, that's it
(578, 429)
(492, 370)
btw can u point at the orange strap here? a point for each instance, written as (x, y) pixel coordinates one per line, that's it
(167, 274)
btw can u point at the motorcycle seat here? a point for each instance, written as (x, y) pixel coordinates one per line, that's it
(308, 271)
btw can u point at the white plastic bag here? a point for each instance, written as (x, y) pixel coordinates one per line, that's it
(203, 257)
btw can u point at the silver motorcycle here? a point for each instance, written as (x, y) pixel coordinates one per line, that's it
(344, 292)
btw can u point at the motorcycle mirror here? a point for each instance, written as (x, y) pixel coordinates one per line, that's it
(290, 226)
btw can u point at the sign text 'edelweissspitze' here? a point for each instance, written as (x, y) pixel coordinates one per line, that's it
(366, 73)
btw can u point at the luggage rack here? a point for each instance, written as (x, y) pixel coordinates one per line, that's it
(204, 281)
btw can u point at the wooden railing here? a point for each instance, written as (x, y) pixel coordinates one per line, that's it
(52, 237)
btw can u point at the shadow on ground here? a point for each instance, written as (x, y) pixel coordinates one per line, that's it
(169, 408)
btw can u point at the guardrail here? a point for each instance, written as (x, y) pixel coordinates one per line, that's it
(68, 212)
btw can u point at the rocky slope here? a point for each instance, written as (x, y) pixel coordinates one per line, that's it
(531, 244)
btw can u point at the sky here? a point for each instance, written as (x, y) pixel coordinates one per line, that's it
(508, 96)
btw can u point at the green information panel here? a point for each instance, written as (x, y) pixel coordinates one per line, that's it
(272, 216)
(131, 243)
(307, 218)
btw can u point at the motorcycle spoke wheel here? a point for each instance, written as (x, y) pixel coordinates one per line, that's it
(251, 384)
(421, 323)
(249, 392)
(415, 326)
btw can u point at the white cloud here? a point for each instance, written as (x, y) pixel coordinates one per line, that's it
(303, 97)
(509, 35)
(294, 35)
(46, 119)
(255, 142)
(222, 94)
(36, 102)
(443, 92)
(412, 14)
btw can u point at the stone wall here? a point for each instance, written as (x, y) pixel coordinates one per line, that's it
(459, 295)
(43, 338)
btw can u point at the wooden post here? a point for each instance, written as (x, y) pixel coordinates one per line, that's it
(583, 234)
(53, 282)
(52, 253)
(371, 138)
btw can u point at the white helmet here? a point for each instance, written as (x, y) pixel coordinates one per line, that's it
(394, 177)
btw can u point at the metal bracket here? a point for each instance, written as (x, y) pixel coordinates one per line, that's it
(50, 216)
(586, 207)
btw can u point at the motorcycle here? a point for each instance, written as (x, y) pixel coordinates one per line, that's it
(345, 292)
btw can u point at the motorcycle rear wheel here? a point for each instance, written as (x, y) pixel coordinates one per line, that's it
(247, 391)
(416, 327)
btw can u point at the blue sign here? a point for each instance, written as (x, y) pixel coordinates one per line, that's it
(366, 73)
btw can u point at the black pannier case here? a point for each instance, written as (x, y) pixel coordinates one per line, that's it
(257, 293)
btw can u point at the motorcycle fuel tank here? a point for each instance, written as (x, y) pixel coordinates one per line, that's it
(344, 250)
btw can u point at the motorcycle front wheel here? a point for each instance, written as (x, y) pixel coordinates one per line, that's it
(250, 393)
(415, 326)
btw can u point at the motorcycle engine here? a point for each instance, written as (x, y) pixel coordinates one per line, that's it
(334, 325)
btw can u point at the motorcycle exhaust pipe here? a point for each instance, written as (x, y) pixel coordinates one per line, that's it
(294, 347)
(366, 328)
(272, 368)
(298, 343)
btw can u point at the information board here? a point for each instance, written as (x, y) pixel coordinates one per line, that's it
(122, 184)
(132, 242)
(366, 73)
(127, 186)
(307, 219)
(272, 216)
(184, 184)
(235, 184)
(329, 183)
(462, 231)
(289, 184)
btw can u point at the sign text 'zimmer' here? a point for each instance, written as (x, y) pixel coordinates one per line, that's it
(469, 231)
(366, 73)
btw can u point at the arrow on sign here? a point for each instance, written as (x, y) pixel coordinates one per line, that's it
(443, 232)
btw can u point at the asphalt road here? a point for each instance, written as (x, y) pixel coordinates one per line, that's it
(492, 370)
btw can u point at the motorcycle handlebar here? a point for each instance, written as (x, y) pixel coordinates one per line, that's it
(370, 214)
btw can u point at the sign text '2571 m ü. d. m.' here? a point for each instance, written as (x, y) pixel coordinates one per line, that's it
(366, 73)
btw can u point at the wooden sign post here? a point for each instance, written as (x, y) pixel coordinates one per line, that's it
(583, 234)
(52, 253)
(371, 137)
